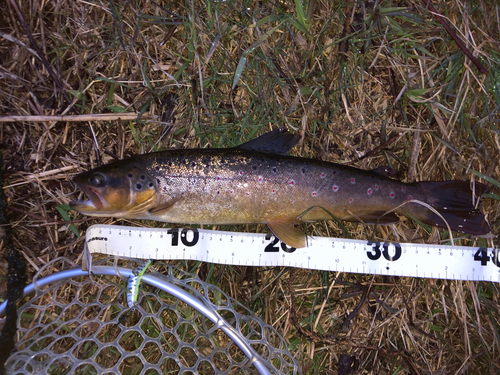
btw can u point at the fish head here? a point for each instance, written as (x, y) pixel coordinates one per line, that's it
(119, 190)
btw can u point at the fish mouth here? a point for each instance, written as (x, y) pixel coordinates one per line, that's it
(94, 203)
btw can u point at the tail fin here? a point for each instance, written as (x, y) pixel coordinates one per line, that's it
(453, 200)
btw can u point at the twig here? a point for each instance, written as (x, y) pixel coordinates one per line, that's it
(375, 150)
(452, 33)
(410, 315)
(53, 74)
(39, 52)
(78, 118)
(45, 219)
(313, 336)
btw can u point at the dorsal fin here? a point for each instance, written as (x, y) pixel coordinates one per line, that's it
(279, 142)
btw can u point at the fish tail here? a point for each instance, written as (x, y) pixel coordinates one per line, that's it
(453, 200)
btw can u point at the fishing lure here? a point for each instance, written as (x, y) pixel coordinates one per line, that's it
(134, 282)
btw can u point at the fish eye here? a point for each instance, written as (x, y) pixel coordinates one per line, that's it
(97, 180)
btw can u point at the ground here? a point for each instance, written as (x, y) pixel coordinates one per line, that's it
(366, 83)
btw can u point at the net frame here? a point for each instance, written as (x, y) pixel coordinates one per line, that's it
(249, 345)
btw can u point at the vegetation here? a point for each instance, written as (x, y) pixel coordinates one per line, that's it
(366, 83)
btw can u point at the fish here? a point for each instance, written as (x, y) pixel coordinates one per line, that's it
(256, 182)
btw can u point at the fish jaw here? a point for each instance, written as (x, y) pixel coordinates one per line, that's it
(116, 192)
(93, 204)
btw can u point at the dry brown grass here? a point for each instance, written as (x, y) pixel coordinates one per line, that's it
(401, 78)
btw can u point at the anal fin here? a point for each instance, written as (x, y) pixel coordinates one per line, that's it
(284, 228)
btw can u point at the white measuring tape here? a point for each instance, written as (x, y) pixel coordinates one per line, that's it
(322, 253)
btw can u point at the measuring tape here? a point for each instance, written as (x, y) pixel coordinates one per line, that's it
(322, 253)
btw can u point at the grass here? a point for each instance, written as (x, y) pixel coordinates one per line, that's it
(347, 76)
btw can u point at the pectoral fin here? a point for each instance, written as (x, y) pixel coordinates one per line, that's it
(162, 208)
(285, 230)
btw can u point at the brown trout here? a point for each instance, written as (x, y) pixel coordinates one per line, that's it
(257, 183)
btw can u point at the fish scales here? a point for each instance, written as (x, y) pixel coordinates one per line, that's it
(232, 186)
(249, 184)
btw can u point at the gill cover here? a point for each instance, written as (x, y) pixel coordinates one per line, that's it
(115, 190)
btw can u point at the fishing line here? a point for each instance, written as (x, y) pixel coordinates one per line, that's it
(430, 208)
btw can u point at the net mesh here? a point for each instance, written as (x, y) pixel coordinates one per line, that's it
(84, 326)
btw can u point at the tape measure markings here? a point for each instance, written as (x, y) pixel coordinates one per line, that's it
(322, 253)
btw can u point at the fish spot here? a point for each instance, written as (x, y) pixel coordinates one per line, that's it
(217, 178)
(291, 183)
(403, 188)
(351, 200)
(150, 184)
(261, 178)
(218, 192)
(263, 202)
(231, 191)
(255, 168)
(138, 186)
(369, 191)
(247, 193)
(335, 188)
(353, 180)
(303, 171)
(158, 181)
(392, 195)
(274, 191)
(274, 170)
(410, 198)
(170, 164)
(241, 173)
(314, 193)
(193, 164)
(376, 187)
(322, 175)
(142, 177)
(130, 175)
(293, 201)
